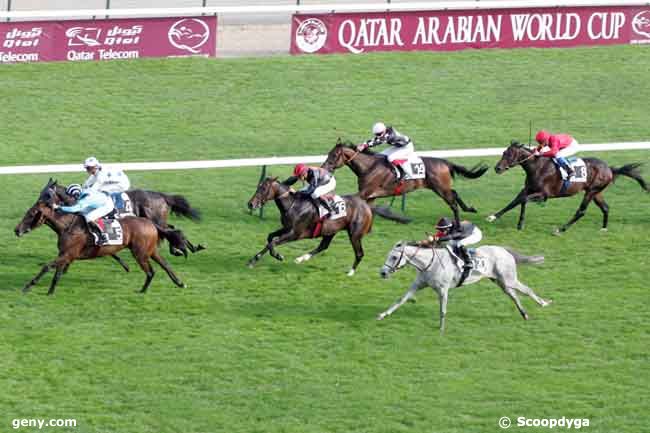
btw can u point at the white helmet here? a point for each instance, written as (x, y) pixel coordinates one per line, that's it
(91, 162)
(378, 128)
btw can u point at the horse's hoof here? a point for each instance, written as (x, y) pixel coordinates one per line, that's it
(491, 219)
(603, 230)
(472, 210)
(525, 315)
(303, 258)
(382, 316)
(547, 302)
(557, 232)
(351, 272)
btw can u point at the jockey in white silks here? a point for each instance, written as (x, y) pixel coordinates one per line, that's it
(104, 179)
(401, 146)
(92, 205)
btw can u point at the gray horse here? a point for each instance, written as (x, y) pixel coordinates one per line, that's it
(440, 270)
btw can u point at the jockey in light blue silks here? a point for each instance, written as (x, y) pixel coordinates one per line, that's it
(93, 205)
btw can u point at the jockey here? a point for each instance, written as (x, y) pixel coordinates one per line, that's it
(401, 146)
(104, 180)
(319, 180)
(92, 205)
(561, 146)
(458, 238)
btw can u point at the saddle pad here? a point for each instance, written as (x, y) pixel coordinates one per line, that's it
(122, 203)
(414, 168)
(113, 230)
(339, 208)
(579, 170)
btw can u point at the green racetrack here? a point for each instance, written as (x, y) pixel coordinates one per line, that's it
(296, 348)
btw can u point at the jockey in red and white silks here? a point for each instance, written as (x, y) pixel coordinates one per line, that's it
(319, 182)
(560, 146)
(401, 146)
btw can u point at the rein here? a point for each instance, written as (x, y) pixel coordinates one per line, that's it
(409, 259)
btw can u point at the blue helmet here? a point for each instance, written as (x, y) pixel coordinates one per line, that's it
(73, 190)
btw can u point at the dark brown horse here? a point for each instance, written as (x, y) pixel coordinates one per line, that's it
(543, 181)
(300, 220)
(376, 176)
(155, 206)
(140, 235)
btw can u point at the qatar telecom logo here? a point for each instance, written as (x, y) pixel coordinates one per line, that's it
(311, 35)
(641, 23)
(189, 34)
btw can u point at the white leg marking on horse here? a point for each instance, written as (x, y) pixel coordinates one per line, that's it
(491, 218)
(303, 258)
(351, 272)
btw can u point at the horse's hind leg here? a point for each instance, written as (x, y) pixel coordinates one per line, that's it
(143, 261)
(322, 246)
(163, 264)
(604, 207)
(462, 204)
(522, 288)
(579, 213)
(513, 295)
(355, 239)
(119, 260)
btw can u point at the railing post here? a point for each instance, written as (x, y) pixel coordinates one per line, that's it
(108, 6)
(8, 9)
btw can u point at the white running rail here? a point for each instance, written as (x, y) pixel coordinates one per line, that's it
(288, 160)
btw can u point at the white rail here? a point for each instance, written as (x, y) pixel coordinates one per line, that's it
(289, 160)
(324, 7)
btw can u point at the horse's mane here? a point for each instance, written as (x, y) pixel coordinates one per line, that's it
(60, 192)
(519, 145)
(350, 145)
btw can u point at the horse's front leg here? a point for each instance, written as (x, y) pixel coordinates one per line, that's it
(443, 297)
(60, 263)
(267, 247)
(289, 236)
(38, 276)
(516, 201)
(119, 260)
(415, 286)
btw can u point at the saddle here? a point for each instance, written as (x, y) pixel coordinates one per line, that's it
(122, 204)
(111, 230)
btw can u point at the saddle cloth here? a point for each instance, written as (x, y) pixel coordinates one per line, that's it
(122, 203)
(112, 230)
(339, 208)
(413, 168)
(579, 170)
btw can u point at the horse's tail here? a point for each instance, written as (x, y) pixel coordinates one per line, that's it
(520, 258)
(631, 170)
(472, 173)
(386, 212)
(180, 206)
(175, 237)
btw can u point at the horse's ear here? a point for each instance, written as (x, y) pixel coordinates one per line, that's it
(515, 143)
(274, 179)
(339, 142)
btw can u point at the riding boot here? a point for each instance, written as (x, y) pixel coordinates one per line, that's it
(402, 173)
(327, 205)
(567, 167)
(467, 264)
(94, 229)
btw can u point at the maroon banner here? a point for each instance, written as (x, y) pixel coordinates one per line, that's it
(458, 30)
(107, 39)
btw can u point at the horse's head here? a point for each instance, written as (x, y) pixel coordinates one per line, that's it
(395, 260)
(266, 190)
(340, 155)
(514, 155)
(37, 214)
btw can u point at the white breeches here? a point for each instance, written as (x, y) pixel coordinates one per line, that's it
(99, 212)
(324, 189)
(572, 149)
(474, 238)
(394, 152)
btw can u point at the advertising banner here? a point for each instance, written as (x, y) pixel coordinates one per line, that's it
(457, 30)
(107, 39)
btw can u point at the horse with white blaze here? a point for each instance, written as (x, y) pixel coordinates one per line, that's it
(437, 268)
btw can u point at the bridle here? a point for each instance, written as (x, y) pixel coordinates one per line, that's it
(409, 259)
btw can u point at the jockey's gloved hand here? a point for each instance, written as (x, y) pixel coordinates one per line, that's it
(55, 206)
(363, 146)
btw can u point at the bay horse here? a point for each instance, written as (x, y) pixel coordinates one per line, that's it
(377, 178)
(155, 206)
(543, 181)
(300, 220)
(140, 235)
(436, 268)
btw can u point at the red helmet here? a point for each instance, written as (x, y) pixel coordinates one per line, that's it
(542, 136)
(300, 169)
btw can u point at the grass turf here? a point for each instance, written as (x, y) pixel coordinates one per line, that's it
(295, 348)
